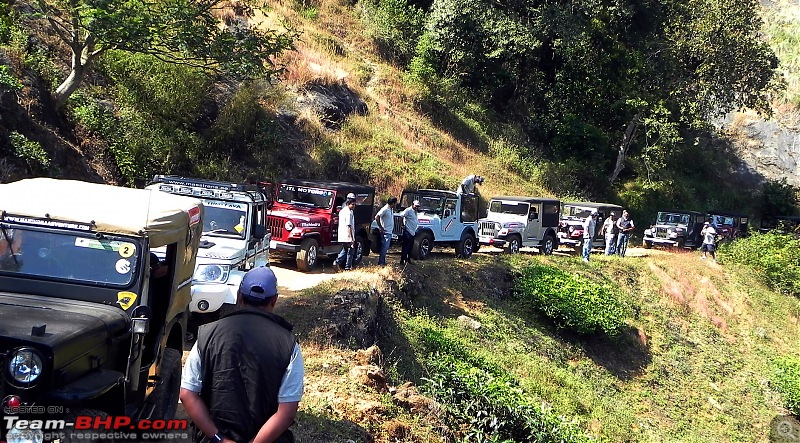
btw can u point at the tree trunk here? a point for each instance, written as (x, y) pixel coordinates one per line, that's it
(627, 140)
(69, 85)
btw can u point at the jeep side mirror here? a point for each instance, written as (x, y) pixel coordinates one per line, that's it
(259, 231)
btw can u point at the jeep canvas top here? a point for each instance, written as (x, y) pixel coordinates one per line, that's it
(513, 222)
(304, 219)
(573, 214)
(234, 238)
(677, 228)
(85, 323)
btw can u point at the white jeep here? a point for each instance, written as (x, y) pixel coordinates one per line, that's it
(515, 222)
(445, 219)
(234, 238)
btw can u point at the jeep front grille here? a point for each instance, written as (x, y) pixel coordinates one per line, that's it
(275, 227)
(487, 228)
(398, 225)
(661, 233)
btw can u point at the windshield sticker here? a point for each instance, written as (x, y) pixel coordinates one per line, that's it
(226, 205)
(126, 299)
(312, 191)
(123, 266)
(126, 250)
(48, 223)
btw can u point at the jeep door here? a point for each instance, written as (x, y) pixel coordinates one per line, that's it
(451, 227)
(533, 227)
(258, 248)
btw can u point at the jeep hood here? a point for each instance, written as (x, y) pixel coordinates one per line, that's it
(506, 218)
(214, 249)
(299, 216)
(72, 328)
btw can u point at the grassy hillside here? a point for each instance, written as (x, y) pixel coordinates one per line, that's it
(693, 362)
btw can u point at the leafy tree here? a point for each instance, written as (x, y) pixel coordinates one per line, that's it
(778, 198)
(189, 32)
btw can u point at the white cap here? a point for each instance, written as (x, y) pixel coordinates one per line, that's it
(351, 195)
(415, 203)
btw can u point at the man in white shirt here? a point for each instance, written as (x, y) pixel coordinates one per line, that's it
(385, 220)
(347, 235)
(468, 184)
(410, 223)
(589, 226)
(709, 241)
(610, 232)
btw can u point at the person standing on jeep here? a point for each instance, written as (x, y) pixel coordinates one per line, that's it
(624, 226)
(385, 220)
(468, 184)
(589, 226)
(243, 379)
(610, 232)
(410, 223)
(347, 235)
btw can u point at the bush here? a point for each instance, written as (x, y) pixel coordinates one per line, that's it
(773, 256)
(7, 80)
(31, 152)
(494, 407)
(786, 380)
(572, 301)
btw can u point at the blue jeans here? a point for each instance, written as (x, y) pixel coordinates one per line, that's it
(345, 257)
(610, 244)
(587, 248)
(386, 241)
(622, 244)
(408, 243)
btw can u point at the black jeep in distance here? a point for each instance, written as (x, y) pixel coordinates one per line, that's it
(91, 322)
(676, 228)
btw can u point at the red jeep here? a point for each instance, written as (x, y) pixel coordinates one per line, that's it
(304, 219)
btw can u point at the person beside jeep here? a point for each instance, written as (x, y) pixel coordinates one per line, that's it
(625, 226)
(243, 379)
(709, 246)
(385, 221)
(589, 226)
(346, 234)
(610, 232)
(410, 223)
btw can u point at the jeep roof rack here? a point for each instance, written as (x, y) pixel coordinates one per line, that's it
(204, 183)
(520, 198)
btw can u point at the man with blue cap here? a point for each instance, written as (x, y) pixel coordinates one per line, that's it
(243, 379)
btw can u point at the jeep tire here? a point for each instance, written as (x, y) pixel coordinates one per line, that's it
(307, 257)
(423, 244)
(514, 243)
(647, 244)
(579, 246)
(681, 244)
(360, 251)
(547, 245)
(164, 397)
(466, 246)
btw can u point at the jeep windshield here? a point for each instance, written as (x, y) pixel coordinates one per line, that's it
(225, 218)
(429, 204)
(312, 198)
(576, 212)
(506, 207)
(670, 218)
(83, 258)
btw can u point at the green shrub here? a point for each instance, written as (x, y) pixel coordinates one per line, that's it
(7, 80)
(773, 256)
(572, 301)
(494, 407)
(396, 25)
(786, 380)
(31, 152)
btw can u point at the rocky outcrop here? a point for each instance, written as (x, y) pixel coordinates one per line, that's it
(331, 103)
(769, 149)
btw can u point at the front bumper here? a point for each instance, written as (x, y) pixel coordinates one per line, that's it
(212, 295)
(497, 242)
(282, 246)
(661, 241)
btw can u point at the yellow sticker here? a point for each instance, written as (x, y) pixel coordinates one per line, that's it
(126, 249)
(125, 299)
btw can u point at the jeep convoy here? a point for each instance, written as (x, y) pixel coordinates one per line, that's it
(234, 239)
(304, 219)
(445, 219)
(87, 325)
(515, 222)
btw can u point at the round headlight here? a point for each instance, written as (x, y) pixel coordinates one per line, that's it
(288, 225)
(498, 226)
(212, 273)
(571, 228)
(25, 365)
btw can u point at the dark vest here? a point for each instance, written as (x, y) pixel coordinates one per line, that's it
(244, 356)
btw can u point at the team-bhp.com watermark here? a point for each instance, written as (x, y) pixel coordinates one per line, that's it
(784, 429)
(88, 427)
